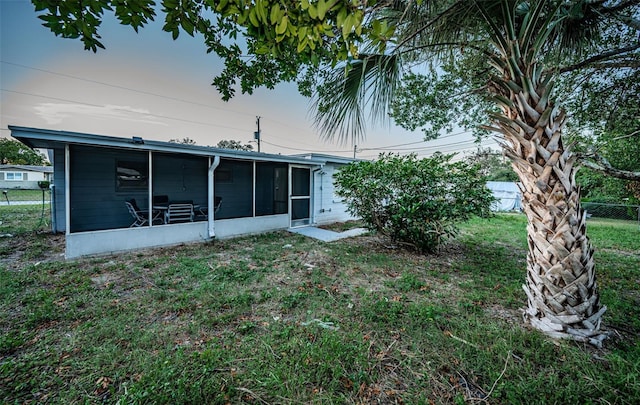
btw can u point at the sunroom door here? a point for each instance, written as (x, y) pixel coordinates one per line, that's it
(300, 196)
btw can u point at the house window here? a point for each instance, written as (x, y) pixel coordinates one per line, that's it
(14, 176)
(132, 175)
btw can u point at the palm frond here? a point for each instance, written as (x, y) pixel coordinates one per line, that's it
(362, 88)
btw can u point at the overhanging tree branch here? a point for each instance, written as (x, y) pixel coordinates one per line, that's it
(615, 65)
(600, 57)
(600, 164)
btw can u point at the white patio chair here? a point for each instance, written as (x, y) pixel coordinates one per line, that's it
(179, 213)
(139, 217)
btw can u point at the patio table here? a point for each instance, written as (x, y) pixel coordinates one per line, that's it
(162, 209)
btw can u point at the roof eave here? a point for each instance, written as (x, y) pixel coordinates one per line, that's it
(48, 139)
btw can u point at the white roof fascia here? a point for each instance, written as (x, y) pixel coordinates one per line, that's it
(46, 138)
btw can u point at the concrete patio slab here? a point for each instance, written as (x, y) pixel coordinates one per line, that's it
(326, 235)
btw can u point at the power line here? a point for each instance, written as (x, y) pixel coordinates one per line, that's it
(116, 86)
(167, 117)
(396, 147)
(392, 146)
(441, 146)
(310, 148)
(436, 147)
(135, 112)
(426, 148)
(389, 147)
(305, 150)
(414, 143)
(143, 92)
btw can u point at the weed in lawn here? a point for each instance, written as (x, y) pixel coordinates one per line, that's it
(293, 300)
(11, 341)
(381, 309)
(408, 282)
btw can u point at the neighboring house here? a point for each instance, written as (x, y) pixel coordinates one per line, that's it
(23, 176)
(507, 194)
(95, 175)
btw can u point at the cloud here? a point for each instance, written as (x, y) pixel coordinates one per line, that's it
(55, 113)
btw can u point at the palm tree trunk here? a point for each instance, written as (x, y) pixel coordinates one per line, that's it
(561, 288)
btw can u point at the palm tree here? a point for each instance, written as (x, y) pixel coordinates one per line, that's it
(518, 47)
(522, 43)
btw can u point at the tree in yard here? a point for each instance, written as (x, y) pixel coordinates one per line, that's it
(506, 55)
(232, 144)
(511, 53)
(493, 165)
(606, 130)
(14, 152)
(184, 141)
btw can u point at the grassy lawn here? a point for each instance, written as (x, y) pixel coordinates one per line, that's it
(282, 319)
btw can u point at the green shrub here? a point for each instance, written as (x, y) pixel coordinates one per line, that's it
(415, 202)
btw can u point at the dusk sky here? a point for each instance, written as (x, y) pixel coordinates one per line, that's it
(148, 85)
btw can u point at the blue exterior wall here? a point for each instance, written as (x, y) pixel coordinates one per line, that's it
(181, 177)
(58, 198)
(95, 204)
(234, 183)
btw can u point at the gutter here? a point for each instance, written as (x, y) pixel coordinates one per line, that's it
(313, 209)
(210, 203)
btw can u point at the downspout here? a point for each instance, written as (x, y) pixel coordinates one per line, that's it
(52, 199)
(52, 194)
(211, 200)
(67, 190)
(319, 169)
(150, 187)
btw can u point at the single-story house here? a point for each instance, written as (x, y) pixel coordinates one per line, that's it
(328, 206)
(507, 195)
(23, 176)
(112, 194)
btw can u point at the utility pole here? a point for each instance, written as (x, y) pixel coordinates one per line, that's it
(256, 135)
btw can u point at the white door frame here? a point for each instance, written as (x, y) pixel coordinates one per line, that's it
(293, 223)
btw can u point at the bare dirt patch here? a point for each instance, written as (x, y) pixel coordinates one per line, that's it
(18, 250)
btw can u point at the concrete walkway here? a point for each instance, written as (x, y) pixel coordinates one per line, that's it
(23, 202)
(327, 235)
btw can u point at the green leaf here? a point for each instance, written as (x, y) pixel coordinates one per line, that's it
(261, 7)
(253, 18)
(302, 45)
(323, 6)
(347, 26)
(262, 50)
(187, 25)
(313, 11)
(282, 25)
(221, 6)
(276, 14)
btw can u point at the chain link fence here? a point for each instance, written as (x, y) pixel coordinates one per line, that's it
(612, 211)
(23, 210)
(14, 196)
